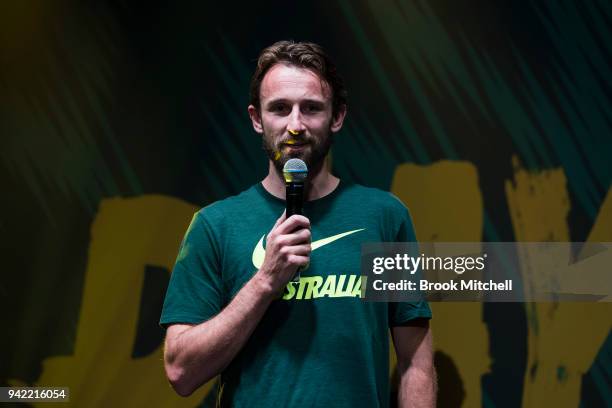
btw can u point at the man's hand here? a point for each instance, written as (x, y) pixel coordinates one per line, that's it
(287, 248)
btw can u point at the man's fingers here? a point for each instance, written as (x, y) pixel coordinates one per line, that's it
(292, 223)
(280, 219)
(299, 260)
(298, 237)
(296, 250)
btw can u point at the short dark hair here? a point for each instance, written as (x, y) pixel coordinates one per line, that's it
(306, 55)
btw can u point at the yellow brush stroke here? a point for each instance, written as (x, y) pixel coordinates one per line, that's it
(446, 205)
(564, 338)
(126, 235)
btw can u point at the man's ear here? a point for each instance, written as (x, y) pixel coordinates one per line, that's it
(255, 119)
(338, 119)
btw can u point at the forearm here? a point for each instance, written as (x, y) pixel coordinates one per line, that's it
(199, 353)
(418, 388)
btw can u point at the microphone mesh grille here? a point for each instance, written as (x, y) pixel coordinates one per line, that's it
(295, 170)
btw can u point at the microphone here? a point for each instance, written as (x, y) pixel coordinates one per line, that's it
(295, 172)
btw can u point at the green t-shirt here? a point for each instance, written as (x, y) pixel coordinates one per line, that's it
(320, 345)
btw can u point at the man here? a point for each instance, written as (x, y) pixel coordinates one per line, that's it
(231, 308)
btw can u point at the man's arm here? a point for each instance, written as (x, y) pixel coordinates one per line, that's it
(413, 346)
(195, 354)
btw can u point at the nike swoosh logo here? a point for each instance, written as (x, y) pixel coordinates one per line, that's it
(259, 253)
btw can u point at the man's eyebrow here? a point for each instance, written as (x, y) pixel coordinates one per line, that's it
(275, 101)
(318, 101)
(284, 100)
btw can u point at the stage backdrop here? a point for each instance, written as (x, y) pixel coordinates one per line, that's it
(490, 120)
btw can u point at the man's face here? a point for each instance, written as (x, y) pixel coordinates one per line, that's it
(296, 116)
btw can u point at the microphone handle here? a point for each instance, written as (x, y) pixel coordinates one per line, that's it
(295, 205)
(295, 198)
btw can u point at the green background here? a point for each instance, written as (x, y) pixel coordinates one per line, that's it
(123, 99)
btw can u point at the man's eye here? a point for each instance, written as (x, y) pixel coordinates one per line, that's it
(313, 108)
(279, 108)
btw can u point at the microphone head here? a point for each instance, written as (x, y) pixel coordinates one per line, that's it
(295, 171)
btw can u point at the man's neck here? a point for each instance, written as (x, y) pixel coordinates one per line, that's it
(320, 184)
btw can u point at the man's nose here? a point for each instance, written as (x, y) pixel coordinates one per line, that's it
(295, 121)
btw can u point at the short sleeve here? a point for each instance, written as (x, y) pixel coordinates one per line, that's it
(401, 313)
(195, 292)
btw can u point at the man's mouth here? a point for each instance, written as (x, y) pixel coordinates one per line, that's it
(295, 149)
(294, 144)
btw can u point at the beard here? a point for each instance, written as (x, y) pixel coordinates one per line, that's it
(313, 155)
